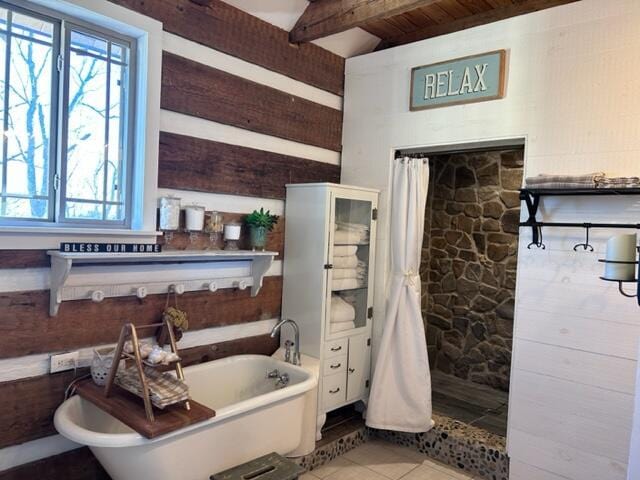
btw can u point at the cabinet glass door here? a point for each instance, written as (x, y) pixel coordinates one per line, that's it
(349, 258)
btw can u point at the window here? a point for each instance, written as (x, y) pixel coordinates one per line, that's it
(66, 107)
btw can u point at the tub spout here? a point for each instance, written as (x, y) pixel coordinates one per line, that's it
(296, 346)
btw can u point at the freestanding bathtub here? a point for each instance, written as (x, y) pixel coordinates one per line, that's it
(253, 418)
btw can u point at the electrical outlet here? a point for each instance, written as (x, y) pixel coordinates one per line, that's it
(64, 361)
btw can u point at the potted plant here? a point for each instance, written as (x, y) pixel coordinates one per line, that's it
(260, 223)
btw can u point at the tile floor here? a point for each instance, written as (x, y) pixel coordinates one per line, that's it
(380, 460)
(469, 402)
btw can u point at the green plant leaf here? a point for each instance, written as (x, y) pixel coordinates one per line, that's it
(261, 219)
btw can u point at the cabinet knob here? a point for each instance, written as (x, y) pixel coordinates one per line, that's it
(351, 370)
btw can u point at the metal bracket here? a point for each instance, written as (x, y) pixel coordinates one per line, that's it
(532, 202)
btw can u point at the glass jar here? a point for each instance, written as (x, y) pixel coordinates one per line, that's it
(169, 213)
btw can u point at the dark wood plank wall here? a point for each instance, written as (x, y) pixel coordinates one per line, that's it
(77, 464)
(201, 91)
(26, 327)
(232, 31)
(190, 164)
(29, 404)
(195, 164)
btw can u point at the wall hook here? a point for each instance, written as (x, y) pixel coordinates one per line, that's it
(586, 245)
(537, 238)
(97, 296)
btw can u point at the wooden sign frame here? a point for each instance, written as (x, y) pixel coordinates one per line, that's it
(501, 81)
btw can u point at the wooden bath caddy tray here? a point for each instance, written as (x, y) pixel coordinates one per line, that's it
(128, 408)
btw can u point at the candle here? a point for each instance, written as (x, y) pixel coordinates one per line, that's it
(621, 248)
(232, 231)
(194, 218)
(169, 213)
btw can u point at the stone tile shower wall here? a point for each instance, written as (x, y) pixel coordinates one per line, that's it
(469, 264)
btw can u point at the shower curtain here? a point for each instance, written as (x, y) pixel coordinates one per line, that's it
(400, 396)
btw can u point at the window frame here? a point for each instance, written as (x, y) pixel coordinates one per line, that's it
(64, 24)
(129, 137)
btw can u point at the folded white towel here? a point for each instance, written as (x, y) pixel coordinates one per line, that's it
(345, 262)
(345, 284)
(342, 273)
(341, 327)
(341, 310)
(344, 250)
(349, 237)
(351, 226)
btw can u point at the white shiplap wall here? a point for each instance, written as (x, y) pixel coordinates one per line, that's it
(573, 77)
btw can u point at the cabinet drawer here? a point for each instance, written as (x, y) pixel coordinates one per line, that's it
(335, 365)
(334, 390)
(336, 347)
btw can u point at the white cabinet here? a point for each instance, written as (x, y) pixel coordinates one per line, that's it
(329, 266)
(359, 367)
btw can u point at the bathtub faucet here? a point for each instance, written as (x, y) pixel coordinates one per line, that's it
(296, 344)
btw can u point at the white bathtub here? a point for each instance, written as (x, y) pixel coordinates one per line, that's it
(253, 418)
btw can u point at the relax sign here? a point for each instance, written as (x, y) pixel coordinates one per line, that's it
(463, 80)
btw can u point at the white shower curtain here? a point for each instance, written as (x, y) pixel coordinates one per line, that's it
(401, 390)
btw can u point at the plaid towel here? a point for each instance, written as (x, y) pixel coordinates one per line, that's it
(619, 182)
(164, 388)
(561, 186)
(564, 181)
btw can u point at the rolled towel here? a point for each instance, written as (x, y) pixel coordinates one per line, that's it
(341, 311)
(345, 284)
(341, 327)
(344, 250)
(345, 262)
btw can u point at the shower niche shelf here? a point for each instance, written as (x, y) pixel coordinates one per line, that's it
(79, 276)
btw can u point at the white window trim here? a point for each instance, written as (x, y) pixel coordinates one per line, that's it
(148, 33)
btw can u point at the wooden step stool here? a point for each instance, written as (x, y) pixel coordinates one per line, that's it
(268, 467)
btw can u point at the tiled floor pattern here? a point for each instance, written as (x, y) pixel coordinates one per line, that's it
(380, 460)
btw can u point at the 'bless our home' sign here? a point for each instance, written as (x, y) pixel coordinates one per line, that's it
(464, 80)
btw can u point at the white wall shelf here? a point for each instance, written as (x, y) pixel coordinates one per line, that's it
(75, 276)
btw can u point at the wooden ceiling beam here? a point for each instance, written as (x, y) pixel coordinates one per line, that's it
(326, 17)
(520, 8)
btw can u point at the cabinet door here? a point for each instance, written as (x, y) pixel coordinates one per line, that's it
(358, 367)
(349, 258)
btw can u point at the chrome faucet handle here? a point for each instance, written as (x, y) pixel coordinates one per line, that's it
(273, 373)
(283, 380)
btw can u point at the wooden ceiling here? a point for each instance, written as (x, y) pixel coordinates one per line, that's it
(398, 22)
